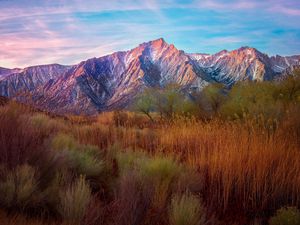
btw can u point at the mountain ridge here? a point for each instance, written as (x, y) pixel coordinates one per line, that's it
(112, 81)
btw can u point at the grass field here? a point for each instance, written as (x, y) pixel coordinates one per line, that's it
(238, 171)
(127, 168)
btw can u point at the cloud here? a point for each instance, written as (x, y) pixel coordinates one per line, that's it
(286, 7)
(68, 34)
(225, 5)
(285, 10)
(68, 31)
(30, 8)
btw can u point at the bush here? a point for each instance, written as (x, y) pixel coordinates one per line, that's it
(159, 174)
(82, 159)
(94, 213)
(145, 103)
(63, 142)
(186, 210)
(212, 98)
(286, 216)
(74, 201)
(130, 160)
(45, 123)
(254, 99)
(161, 169)
(288, 90)
(162, 173)
(168, 102)
(18, 188)
(19, 141)
(134, 199)
(50, 196)
(85, 163)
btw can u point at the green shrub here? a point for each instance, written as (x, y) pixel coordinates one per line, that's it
(50, 196)
(18, 188)
(286, 216)
(131, 160)
(186, 210)
(254, 99)
(162, 173)
(145, 103)
(74, 201)
(63, 142)
(288, 90)
(83, 159)
(45, 123)
(168, 102)
(86, 163)
(161, 169)
(158, 172)
(212, 98)
(39, 120)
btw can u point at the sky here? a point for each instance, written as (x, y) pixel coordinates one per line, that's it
(34, 32)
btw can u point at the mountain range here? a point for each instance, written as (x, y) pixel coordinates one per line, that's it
(112, 81)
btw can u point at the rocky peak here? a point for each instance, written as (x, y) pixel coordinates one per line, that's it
(246, 51)
(158, 43)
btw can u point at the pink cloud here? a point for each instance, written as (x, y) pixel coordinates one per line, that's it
(26, 50)
(65, 7)
(220, 5)
(285, 10)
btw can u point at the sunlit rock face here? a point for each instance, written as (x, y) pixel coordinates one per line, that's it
(112, 81)
(243, 64)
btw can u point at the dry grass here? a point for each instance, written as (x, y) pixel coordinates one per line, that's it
(247, 169)
(75, 201)
(22, 220)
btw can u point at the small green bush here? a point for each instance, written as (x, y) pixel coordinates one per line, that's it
(161, 169)
(45, 123)
(85, 163)
(131, 160)
(286, 216)
(39, 120)
(186, 210)
(162, 173)
(63, 142)
(159, 172)
(83, 159)
(50, 196)
(18, 188)
(74, 201)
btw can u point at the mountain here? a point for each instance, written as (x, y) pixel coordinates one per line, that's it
(19, 81)
(5, 72)
(112, 81)
(244, 64)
